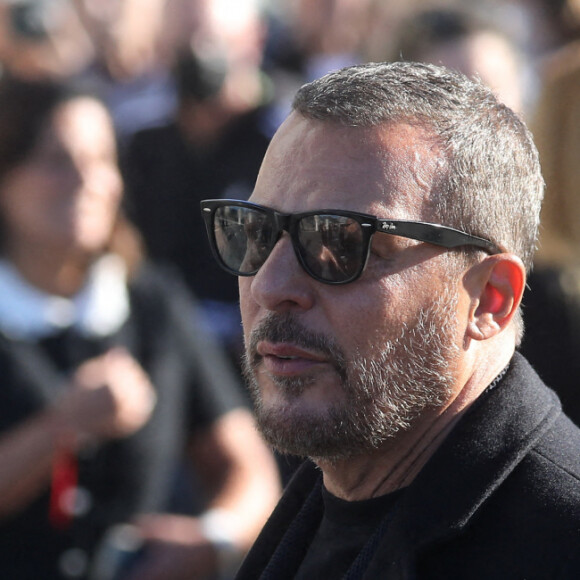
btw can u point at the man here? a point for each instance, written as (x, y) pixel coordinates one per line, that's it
(383, 348)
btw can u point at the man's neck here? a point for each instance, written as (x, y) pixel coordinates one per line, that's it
(387, 469)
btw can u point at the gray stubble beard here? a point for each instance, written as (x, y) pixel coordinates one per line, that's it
(383, 395)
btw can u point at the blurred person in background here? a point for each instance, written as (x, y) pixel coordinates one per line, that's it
(462, 39)
(114, 44)
(326, 34)
(308, 38)
(131, 69)
(236, 29)
(534, 27)
(213, 147)
(43, 39)
(106, 385)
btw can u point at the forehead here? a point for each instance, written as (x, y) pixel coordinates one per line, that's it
(313, 164)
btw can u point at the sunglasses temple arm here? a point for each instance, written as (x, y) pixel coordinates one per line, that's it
(435, 234)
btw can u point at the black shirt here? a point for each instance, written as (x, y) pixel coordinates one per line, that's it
(345, 528)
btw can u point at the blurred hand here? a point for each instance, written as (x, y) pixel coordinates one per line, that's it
(110, 397)
(175, 549)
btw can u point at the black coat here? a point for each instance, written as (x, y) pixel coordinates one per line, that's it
(499, 500)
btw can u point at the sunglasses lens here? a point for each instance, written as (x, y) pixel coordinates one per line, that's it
(331, 247)
(244, 238)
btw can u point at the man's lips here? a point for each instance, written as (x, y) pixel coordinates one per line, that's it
(287, 359)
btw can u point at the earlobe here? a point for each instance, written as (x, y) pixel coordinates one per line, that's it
(497, 287)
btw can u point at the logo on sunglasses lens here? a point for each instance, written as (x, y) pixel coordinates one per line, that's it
(387, 226)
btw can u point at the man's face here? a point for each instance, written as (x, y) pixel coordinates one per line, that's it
(337, 371)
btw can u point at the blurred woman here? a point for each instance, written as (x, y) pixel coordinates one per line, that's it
(103, 377)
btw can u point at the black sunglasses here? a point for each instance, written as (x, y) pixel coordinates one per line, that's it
(331, 245)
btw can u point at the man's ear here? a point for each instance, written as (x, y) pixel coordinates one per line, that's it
(496, 286)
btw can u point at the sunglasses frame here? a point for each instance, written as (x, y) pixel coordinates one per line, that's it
(436, 234)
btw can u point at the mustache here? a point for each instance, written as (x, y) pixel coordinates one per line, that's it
(286, 328)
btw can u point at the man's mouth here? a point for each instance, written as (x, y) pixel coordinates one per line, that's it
(287, 359)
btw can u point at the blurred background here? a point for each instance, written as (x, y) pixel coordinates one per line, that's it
(193, 91)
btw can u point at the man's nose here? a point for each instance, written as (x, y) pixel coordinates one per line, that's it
(281, 283)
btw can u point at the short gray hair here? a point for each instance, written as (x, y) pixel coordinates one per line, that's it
(492, 184)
